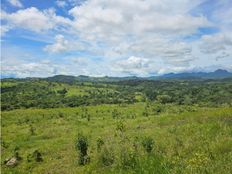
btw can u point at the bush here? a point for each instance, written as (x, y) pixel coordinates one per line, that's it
(100, 143)
(37, 156)
(148, 144)
(107, 157)
(16, 153)
(61, 114)
(82, 147)
(164, 99)
(128, 159)
(120, 126)
(32, 130)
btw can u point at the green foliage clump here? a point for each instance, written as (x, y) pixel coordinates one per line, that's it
(100, 143)
(148, 144)
(107, 157)
(32, 130)
(35, 156)
(120, 126)
(82, 147)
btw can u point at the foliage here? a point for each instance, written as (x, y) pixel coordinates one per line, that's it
(82, 146)
(131, 126)
(42, 93)
(148, 144)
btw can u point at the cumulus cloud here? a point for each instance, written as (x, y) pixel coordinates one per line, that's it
(61, 3)
(134, 17)
(132, 65)
(30, 69)
(60, 45)
(34, 19)
(214, 43)
(133, 36)
(218, 45)
(16, 3)
(63, 45)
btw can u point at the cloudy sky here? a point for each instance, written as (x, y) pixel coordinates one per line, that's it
(42, 38)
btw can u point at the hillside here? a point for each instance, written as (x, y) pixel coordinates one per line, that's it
(63, 91)
(135, 138)
(167, 126)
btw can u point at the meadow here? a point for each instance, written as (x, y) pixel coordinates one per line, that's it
(159, 136)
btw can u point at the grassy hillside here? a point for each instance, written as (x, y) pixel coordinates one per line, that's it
(57, 125)
(136, 138)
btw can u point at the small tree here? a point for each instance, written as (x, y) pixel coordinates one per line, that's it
(100, 143)
(82, 147)
(163, 99)
(62, 91)
(148, 144)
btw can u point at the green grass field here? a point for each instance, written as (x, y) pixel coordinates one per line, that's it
(182, 139)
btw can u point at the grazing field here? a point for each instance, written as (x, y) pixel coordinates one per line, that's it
(106, 125)
(119, 138)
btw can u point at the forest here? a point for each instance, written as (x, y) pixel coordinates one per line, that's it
(53, 93)
(165, 126)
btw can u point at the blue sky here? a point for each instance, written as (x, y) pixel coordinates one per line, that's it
(114, 38)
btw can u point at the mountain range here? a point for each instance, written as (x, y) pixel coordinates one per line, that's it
(218, 74)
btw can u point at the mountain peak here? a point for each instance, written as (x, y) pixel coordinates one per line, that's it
(221, 71)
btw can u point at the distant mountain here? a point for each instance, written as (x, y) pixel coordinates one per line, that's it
(218, 74)
(82, 78)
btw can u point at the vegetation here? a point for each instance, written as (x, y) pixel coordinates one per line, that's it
(42, 93)
(131, 126)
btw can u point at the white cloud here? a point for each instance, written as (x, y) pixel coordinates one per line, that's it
(29, 69)
(34, 19)
(106, 18)
(132, 65)
(63, 45)
(214, 43)
(4, 29)
(131, 37)
(30, 18)
(60, 45)
(218, 46)
(61, 3)
(151, 29)
(16, 3)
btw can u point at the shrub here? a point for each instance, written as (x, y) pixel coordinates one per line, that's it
(164, 99)
(115, 114)
(158, 109)
(88, 117)
(148, 144)
(82, 147)
(107, 157)
(128, 158)
(120, 126)
(61, 115)
(16, 153)
(32, 130)
(100, 143)
(37, 156)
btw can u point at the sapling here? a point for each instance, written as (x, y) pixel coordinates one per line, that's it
(148, 144)
(100, 143)
(82, 147)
